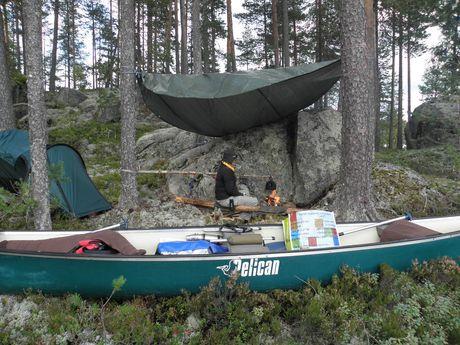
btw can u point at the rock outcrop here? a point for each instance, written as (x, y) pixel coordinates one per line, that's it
(303, 172)
(435, 123)
(70, 97)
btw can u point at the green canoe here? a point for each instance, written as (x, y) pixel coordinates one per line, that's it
(92, 275)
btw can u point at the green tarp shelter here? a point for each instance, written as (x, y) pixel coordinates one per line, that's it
(219, 104)
(73, 190)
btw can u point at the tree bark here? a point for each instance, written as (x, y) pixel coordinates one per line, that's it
(231, 58)
(7, 120)
(38, 136)
(265, 35)
(399, 140)
(372, 78)
(275, 32)
(129, 195)
(286, 34)
(392, 95)
(168, 28)
(176, 35)
(17, 15)
(196, 38)
(296, 57)
(149, 35)
(54, 49)
(319, 44)
(354, 198)
(183, 41)
(377, 143)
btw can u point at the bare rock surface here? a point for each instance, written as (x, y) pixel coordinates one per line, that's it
(70, 97)
(317, 154)
(435, 123)
(262, 151)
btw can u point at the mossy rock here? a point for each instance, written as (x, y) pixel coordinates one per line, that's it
(439, 161)
(398, 190)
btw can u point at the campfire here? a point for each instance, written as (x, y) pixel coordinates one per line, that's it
(273, 199)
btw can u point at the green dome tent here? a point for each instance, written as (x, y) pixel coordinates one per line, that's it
(73, 190)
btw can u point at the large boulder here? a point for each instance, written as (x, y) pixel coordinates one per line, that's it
(263, 151)
(70, 97)
(435, 123)
(317, 154)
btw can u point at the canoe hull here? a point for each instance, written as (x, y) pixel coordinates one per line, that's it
(93, 276)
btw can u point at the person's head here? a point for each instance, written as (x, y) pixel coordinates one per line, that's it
(229, 155)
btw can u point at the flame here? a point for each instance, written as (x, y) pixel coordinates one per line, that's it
(273, 199)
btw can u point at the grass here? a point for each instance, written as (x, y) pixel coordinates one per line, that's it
(439, 161)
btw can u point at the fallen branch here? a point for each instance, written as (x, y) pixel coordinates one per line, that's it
(180, 172)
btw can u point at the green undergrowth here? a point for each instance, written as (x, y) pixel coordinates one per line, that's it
(439, 161)
(421, 306)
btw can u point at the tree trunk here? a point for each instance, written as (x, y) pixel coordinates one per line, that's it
(231, 58)
(392, 95)
(128, 106)
(296, 57)
(73, 43)
(319, 43)
(265, 35)
(286, 34)
(275, 32)
(17, 15)
(93, 31)
(183, 41)
(399, 141)
(409, 105)
(354, 198)
(54, 49)
(137, 34)
(377, 143)
(196, 38)
(149, 35)
(38, 136)
(213, 42)
(7, 120)
(176, 35)
(168, 38)
(372, 64)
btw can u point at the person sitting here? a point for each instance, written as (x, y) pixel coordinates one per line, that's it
(226, 191)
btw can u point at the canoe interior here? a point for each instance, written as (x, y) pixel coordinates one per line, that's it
(148, 239)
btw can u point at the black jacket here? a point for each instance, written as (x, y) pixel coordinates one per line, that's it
(225, 183)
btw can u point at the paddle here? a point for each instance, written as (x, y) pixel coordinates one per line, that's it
(122, 225)
(407, 216)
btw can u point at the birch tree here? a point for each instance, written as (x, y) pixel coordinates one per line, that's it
(38, 136)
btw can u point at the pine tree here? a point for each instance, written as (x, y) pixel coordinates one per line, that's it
(129, 194)
(231, 57)
(53, 67)
(275, 32)
(7, 120)
(354, 200)
(37, 116)
(196, 37)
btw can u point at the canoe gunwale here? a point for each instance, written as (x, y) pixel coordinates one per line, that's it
(225, 256)
(212, 226)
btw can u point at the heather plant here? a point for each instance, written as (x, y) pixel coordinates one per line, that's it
(421, 306)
